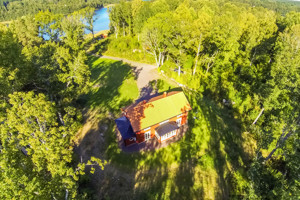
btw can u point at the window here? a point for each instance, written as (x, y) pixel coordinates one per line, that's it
(168, 135)
(178, 121)
(148, 135)
(175, 132)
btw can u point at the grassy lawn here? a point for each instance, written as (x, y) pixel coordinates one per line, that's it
(205, 164)
(113, 85)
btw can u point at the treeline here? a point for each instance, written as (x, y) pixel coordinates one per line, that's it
(279, 6)
(12, 9)
(40, 82)
(244, 56)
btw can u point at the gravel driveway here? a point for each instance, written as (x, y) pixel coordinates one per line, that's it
(144, 72)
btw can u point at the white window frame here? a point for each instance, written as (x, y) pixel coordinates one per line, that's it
(168, 135)
(148, 133)
(178, 121)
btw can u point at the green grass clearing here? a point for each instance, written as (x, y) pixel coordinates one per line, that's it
(204, 164)
(113, 85)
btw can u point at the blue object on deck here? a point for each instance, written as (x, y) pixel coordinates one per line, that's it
(125, 128)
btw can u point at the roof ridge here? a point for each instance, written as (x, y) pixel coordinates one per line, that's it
(162, 95)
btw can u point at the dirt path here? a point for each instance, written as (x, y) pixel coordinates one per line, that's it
(144, 72)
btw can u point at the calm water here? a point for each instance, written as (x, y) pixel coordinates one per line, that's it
(101, 22)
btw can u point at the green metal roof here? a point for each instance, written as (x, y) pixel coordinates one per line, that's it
(156, 111)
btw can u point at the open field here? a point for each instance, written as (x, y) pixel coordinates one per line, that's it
(204, 164)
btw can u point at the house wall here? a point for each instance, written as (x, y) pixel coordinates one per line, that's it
(129, 142)
(140, 137)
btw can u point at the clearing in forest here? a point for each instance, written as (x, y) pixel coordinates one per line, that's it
(202, 165)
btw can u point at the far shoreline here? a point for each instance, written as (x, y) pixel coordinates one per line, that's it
(106, 6)
(109, 5)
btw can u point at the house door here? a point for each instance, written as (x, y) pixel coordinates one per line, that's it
(147, 135)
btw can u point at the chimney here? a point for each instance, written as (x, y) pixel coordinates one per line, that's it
(165, 94)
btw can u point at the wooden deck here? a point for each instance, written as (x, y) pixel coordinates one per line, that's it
(151, 144)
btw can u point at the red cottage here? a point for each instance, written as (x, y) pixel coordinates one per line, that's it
(158, 117)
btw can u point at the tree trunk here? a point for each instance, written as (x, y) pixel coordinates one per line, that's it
(279, 143)
(162, 59)
(156, 59)
(67, 194)
(197, 56)
(179, 70)
(208, 67)
(61, 118)
(124, 29)
(116, 30)
(211, 62)
(253, 57)
(159, 58)
(262, 110)
(40, 125)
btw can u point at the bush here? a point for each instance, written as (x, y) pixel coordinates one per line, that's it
(130, 48)
(99, 46)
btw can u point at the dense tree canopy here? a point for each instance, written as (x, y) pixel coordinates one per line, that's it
(12, 9)
(242, 53)
(40, 81)
(31, 127)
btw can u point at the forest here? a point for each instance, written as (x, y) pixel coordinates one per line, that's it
(40, 82)
(236, 60)
(12, 9)
(241, 53)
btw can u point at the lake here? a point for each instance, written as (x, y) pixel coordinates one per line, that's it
(101, 20)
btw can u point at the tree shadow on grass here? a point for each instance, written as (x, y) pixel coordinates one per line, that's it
(199, 166)
(211, 149)
(112, 87)
(107, 78)
(213, 142)
(225, 146)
